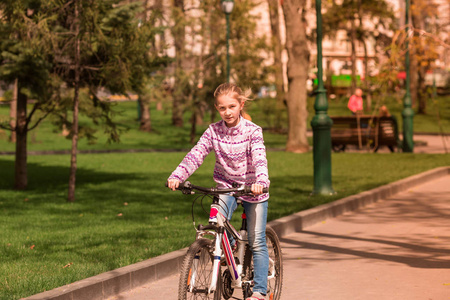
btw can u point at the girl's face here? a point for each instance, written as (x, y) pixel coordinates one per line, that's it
(229, 109)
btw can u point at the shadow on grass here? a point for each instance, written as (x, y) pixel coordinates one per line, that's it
(139, 197)
(41, 177)
(118, 218)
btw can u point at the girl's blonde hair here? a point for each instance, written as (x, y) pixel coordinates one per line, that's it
(235, 92)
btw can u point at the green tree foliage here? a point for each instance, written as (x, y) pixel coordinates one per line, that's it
(363, 21)
(151, 20)
(116, 53)
(25, 56)
(199, 31)
(423, 43)
(63, 51)
(424, 49)
(101, 44)
(248, 48)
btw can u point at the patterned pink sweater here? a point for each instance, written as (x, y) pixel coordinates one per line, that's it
(240, 156)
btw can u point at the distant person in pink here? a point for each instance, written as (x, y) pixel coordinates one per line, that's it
(355, 103)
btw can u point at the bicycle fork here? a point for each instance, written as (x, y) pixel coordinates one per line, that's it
(218, 233)
(222, 246)
(216, 264)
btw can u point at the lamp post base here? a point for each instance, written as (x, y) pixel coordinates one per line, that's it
(321, 124)
(408, 132)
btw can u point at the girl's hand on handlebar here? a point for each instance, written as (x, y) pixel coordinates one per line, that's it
(173, 184)
(257, 189)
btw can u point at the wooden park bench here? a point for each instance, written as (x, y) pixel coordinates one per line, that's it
(362, 130)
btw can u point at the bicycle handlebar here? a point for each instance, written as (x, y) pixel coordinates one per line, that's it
(188, 188)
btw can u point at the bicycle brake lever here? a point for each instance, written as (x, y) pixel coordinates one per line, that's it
(187, 192)
(186, 188)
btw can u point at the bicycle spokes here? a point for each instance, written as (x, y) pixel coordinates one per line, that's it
(197, 272)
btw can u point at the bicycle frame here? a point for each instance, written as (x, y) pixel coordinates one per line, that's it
(238, 275)
(217, 225)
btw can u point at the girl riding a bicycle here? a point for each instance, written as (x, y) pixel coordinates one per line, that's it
(240, 159)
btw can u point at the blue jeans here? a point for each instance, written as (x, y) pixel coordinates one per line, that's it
(256, 229)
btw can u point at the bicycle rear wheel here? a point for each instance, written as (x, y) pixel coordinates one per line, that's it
(275, 275)
(196, 272)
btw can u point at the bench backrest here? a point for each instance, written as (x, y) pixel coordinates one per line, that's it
(383, 130)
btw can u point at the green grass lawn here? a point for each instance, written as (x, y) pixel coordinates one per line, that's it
(165, 136)
(123, 214)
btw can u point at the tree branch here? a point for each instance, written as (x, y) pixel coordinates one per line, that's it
(35, 107)
(41, 119)
(7, 127)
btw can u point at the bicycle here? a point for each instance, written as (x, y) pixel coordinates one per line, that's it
(201, 275)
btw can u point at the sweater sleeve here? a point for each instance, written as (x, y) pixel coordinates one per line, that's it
(194, 158)
(259, 160)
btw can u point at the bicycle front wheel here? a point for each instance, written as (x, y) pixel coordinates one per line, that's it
(275, 279)
(197, 271)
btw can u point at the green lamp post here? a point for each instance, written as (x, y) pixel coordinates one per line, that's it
(321, 124)
(227, 8)
(408, 112)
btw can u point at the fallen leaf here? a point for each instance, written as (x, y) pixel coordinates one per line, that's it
(68, 265)
(120, 214)
(26, 200)
(32, 247)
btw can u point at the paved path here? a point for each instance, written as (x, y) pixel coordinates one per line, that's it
(397, 248)
(432, 144)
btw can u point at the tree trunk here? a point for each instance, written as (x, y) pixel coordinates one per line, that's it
(414, 64)
(73, 158)
(413, 71)
(145, 122)
(278, 64)
(297, 69)
(143, 101)
(420, 89)
(353, 49)
(193, 126)
(422, 95)
(179, 37)
(13, 113)
(21, 173)
(367, 92)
